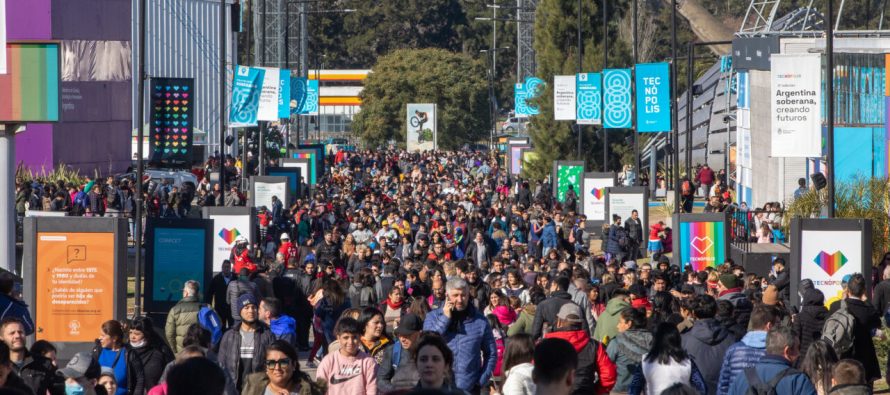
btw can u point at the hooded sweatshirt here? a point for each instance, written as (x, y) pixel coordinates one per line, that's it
(592, 361)
(739, 356)
(707, 343)
(811, 319)
(627, 350)
(607, 325)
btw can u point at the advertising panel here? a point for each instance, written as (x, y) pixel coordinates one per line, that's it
(594, 195)
(309, 156)
(525, 91)
(796, 110)
(30, 85)
(590, 100)
(172, 121)
(515, 158)
(653, 89)
(828, 250)
(263, 188)
(623, 201)
(421, 127)
(75, 285)
(564, 97)
(304, 96)
(228, 224)
(293, 175)
(319, 155)
(284, 94)
(302, 164)
(269, 93)
(176, 251)
(701, 240)
(567, 173)
(617, 99)
(246, 87)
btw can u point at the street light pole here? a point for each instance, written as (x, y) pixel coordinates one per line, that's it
(580, 54)
(140, 163)
(829, 85)
(675, 137)
(637, 167)
(222, 92)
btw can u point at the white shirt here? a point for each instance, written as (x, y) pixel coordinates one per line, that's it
(660, 376)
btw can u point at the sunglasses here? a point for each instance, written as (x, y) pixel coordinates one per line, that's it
(281, 363)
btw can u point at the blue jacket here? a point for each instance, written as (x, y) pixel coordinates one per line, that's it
(707, 342)
(613, 245)
(548, 236)
(739, 356)
(284, 328)
(10, 307)
(475, 351)
(768, 367)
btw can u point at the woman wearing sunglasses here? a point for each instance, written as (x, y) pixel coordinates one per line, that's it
(282, 375)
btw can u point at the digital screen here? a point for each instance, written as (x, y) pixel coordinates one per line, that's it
(178, 257)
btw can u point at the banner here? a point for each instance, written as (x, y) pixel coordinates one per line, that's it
(564, 97)
(29, 92)
(284, 94)
(653, 89)
(304, 96)
(2, 36)
(263, 188)
(172, 122)
(702, 244)
(525, 91)
(568, 174)
(268, 107)
(827, 256)
(246, 87)
(421, 124)
(589, 101)
(796, 107)
(594, 200)
(623, 201)
(617, 99)
(178, 256)
(227, 228)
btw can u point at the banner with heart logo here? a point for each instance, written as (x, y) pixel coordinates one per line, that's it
(593, 195)
(827, 252)
(702, 244)
(171, 111)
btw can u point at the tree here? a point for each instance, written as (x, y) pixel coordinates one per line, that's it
(456, 82)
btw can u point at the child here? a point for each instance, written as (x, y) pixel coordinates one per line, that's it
(348, 371)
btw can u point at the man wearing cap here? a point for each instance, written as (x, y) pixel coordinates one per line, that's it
(728, 289)
(593, 360)
(242, 350)
(241, 256)
(289, 250)
(397, 370)
(80, 374)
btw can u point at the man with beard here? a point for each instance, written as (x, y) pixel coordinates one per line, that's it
(469, 335)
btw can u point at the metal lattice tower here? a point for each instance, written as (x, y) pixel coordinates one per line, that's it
(525, 31)
(759, 17)
(293, 36)
(269, 32)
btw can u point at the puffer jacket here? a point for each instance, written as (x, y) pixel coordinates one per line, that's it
(519, 380)
(40, 375)
(739, 356)
(237, 288)
(811, 319)
(607, 325)
(613, 242)
(181, 316)
(229, 356)
(15, 308)
(284, 328)
(707, 342)
(768, 367)
(593, 362)
(471, 340)
(627, 350)
(549, 239)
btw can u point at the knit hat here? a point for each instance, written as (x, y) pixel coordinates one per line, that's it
(246, 299)
(771, 295)
(729, 280)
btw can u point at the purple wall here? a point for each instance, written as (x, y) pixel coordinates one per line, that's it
(28, 20)
(34, 146)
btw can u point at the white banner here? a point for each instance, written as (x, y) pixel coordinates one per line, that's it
(827, 256)
(2, 36)
(623, 204)
(796, 111)
(594, 197)
(268, 107)
(564, 97)
(227, 228)
(263, 192)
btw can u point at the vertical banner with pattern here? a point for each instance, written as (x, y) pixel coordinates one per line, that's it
(304, 96)
(564, 97)
(653, 91)
(523, 92)
(268, 108)
(246, 87)
(284, 94)
(171, 117)
(589, 101)
(617, 99)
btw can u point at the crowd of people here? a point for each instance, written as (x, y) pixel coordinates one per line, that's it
(436, 272)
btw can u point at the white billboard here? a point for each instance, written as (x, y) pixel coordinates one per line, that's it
(263, 191)
(564, 97)
(227, 228)
(268, 107)
(827, 256)
(421, 124)
(796, 110)
(594, 197)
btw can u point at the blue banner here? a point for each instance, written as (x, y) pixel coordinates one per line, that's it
(246, 87)
(617, 112)
(523, 92)
(304, 96)
(653, 88)
(589, 102)
(284, 94)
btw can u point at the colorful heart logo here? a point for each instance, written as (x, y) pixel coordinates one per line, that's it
(702, 244)
(185, 88)
(175, 108)
(830, 263)
(167, 94)
(176, 144)
(167, 88)
(598, 193)
(185, 102)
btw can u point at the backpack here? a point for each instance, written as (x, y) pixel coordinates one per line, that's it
(112, 199)
(756, 386)
(208, 319)
(838, 330)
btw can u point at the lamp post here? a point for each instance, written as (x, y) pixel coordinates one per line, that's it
(492, 102)
(140, 162)
(675, 136)
(829, 87)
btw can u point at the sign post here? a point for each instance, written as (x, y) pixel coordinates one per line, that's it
(593, 199)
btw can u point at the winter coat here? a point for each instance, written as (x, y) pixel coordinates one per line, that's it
(593, 361)
(10, 307)
(284, 328)
(256, 385)
(237, 288)
(328, 315)
(180, 317)
(627, 350)
(547, 310)
(767, 368)
(782, 283)
(811, 319)
(468, 339)
(850, 389)
(396, 375)
(634, 229)
(740, 356)
(742, 307)
(473, 251)
(607, 325)
(230, 351)
(154, 359)
(524, 323)
(706, 344)
(519, 380)
(867, 319)
(549, 239)
(40, 375)
(613, 243)
(881, 299)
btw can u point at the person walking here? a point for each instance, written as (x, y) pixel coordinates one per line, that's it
(216, 293)
(707, 340)
(242, 349)
(774, 369)
(183, 315)
(666, 364)
(627, 349)
(751, 348)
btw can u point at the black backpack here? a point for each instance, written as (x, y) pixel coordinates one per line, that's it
(756, 386)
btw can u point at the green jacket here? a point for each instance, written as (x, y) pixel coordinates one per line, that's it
(181, 316)
(607, 324)
(523, 324)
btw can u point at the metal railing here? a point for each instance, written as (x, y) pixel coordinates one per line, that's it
(743, 225)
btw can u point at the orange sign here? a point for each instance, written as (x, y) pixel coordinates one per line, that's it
(75, 285)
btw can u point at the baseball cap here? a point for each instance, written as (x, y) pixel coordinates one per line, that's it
(571, 313)
(78, 366)
(408, 325)
(285, 236)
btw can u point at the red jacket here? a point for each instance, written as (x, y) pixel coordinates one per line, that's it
(592, 359)
(289, 251)
(242, 261)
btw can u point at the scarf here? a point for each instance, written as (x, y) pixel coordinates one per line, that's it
(393, 305)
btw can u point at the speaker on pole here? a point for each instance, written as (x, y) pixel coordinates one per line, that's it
(818, 180)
